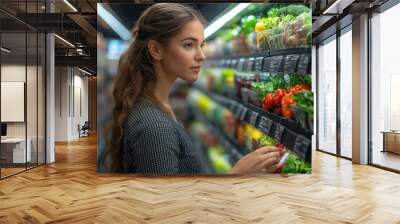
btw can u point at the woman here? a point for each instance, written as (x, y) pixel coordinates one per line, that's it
(146, 136)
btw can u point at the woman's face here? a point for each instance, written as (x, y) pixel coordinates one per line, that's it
(183, 56)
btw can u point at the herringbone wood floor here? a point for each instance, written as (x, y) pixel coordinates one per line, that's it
(70, 191)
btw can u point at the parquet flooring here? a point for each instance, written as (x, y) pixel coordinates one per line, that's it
(70, 191)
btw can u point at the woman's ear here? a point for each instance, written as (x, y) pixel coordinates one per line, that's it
(154, 49)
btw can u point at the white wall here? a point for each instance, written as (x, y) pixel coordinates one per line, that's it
(13, 73)
(71, 93)
(33, 127)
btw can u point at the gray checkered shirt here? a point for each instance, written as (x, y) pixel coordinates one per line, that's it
(153, 143)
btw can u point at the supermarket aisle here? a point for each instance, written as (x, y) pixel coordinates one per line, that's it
(71, 191)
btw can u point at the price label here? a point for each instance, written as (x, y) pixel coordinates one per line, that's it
(250, 64)
(272, 64)
(304, 64)
(241, 64)
(234, 63)
(302, 146)
(290, 63)
(253, 118)
(265, 125)
(258, 62)
(279, 129)
(243, 113)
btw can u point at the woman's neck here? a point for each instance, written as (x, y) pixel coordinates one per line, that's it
(162, 87)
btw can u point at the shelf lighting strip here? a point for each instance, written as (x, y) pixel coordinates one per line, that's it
(113, 22)
(221, 21)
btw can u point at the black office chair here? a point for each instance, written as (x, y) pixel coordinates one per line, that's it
(84, 130)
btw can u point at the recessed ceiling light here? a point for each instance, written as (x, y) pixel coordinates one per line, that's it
(5, 49)
(65, 41)
(84, 71)
(70, 5)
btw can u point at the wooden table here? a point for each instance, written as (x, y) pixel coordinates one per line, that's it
(391, 141)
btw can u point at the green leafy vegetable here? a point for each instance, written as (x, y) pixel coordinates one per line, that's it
(299, 79)
(262, 88)
(296, 165)
(248, 24)
(305, 101)
(267, 141)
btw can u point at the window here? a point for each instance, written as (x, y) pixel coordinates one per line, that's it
(327, 96)
(385, 88)
(346, 92)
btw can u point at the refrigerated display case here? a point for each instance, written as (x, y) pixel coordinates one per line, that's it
(255, 86)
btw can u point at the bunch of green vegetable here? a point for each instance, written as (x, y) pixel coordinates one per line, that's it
(295, 79)
(293, 10)
(262, 88)
(305, 101)
(278, 81)
(266, 140)
(248, 24)
(296, 165)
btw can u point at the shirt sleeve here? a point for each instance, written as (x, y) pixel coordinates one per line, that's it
(155, 150)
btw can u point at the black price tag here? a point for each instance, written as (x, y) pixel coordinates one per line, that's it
(304, 64)
(241, 63)
(272, 64)
(265, 125)
(290, 63)
(258, 64)
(243, 113)
(253, 118)
(233, 63)
(250, 64)
(267, 63)
(279, 129)
(302, 146)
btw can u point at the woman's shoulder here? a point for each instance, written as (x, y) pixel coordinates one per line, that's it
(145, 114)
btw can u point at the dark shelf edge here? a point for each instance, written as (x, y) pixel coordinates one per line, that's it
(288, 51)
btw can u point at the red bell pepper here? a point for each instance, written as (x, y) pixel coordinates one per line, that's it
(287, 104)
(277, 95)
(267, 102)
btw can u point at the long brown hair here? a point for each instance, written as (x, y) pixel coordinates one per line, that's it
(136, 76)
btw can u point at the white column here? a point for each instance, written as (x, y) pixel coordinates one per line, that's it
(50, 93)
(50, 110)
(360, 90)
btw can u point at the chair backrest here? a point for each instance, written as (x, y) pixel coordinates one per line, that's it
(86, 125)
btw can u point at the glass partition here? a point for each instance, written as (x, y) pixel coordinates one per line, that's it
(327, 96)
(346, 92)
(385, 89)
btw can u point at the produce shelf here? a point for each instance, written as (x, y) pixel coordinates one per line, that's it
(234, 150)
(287, 61)
(287, 132)
(199, 145)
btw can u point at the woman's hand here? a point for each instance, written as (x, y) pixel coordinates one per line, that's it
(262, 159)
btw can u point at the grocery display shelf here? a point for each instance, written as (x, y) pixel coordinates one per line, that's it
(287, 132)
(233, 148)
(204, 161)
(287, 61)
